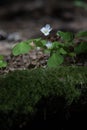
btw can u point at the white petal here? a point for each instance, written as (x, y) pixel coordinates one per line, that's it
(42, 29)
(46, 30)
(47, 26)
(46, 34)
(50, 29)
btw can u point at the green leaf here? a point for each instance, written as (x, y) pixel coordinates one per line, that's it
(29, 41)
(43, 42)
(21, 48)
(81, 34)
(81, 48)
(3, 64)
(62, 51)
(1, 57)
(66, 36)
(37, 39)
(39, 42)
(57, 45)
(55, 60)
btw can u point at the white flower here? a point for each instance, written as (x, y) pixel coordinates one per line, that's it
(46, 30)
(49, 45)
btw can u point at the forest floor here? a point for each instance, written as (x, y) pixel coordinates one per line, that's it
(16, 28)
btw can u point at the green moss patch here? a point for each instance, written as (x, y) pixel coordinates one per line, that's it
(23, 89)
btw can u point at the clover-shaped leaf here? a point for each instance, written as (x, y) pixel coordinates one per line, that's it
(3, 64)
(21, 48)
(66, 36)
(62, 51)
(55, 60)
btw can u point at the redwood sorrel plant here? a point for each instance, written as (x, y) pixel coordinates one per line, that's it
(57, 50)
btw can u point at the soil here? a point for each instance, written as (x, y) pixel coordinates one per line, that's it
(22, 26)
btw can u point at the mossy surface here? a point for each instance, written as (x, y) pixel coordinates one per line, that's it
(22, 90)
(43, 92)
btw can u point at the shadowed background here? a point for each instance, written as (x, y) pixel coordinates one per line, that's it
(22, 19)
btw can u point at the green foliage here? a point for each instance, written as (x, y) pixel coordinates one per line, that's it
(20, 91)
(39, 42)
(66, 36)
(21, 48)
(81, 48)
(55, 60)
(1, 57)
(58, 50)
(62, 51)
(2, 62)
(81, 34)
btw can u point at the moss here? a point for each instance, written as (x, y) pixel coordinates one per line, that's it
(22, 91)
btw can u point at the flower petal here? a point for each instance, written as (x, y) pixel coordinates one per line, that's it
(47, 26)
(46, 30)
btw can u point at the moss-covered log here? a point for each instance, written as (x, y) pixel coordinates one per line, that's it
(41, 94)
